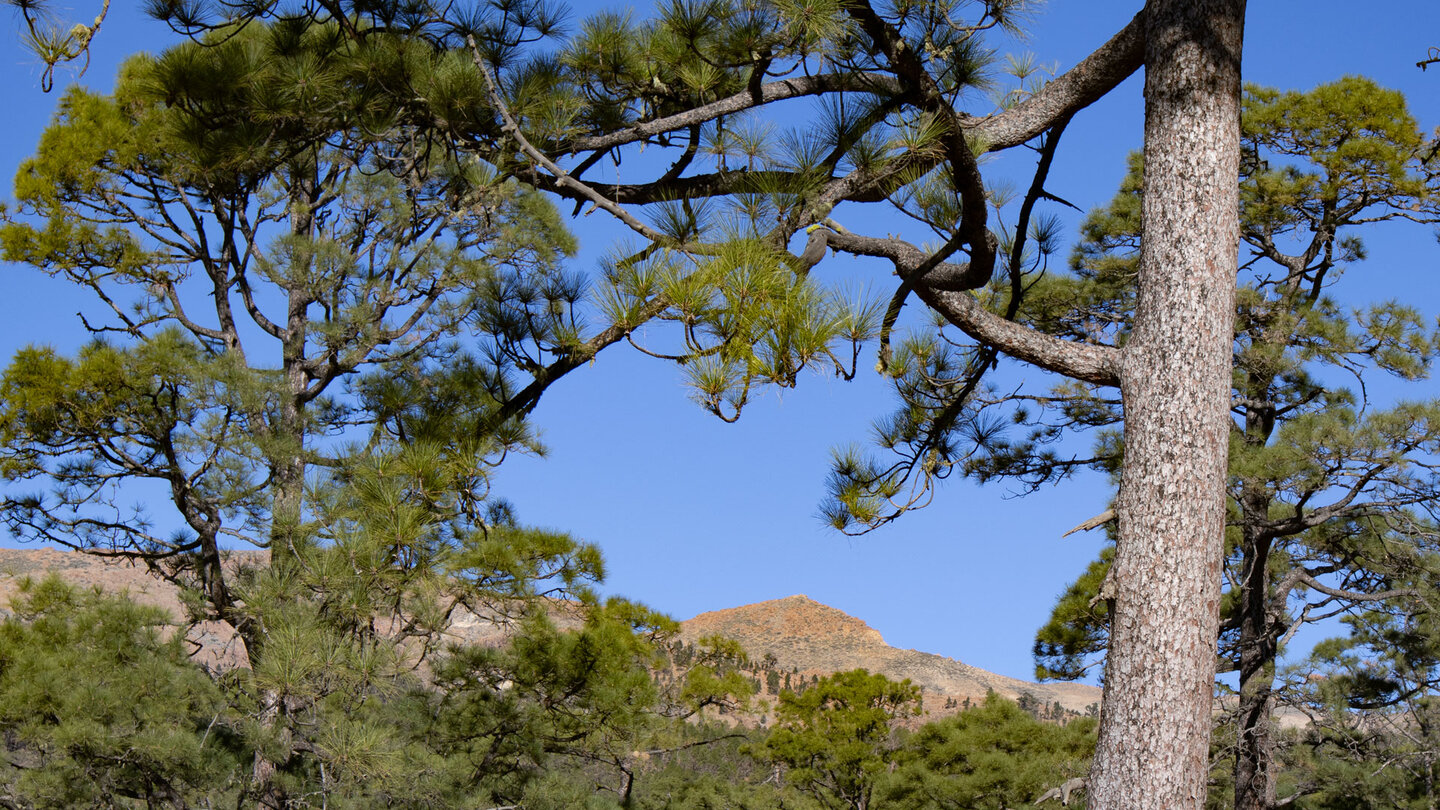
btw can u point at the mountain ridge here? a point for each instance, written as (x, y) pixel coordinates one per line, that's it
(802, 636)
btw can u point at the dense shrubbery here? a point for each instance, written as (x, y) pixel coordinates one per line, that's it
(100, 707)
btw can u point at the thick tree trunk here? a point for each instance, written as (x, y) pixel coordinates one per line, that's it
(1153, 750)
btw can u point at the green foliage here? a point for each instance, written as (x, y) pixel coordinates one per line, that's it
(349, 699)
(748, 320)
(504, 712)
(1347, 146)
(1373, 694)
(98, 705)
(988, 757)
(838, 737)
(714, 677)
(339, 625)
(1079, 625)
(273, 170)
(112, 413)
(251, 251)
(365, 605)
(716, 774)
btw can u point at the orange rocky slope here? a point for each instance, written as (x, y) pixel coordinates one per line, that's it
(816, 639)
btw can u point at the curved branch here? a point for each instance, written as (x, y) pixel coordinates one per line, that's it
(528, 397)
(1088, 363)
(959, 151)
(1067, 94)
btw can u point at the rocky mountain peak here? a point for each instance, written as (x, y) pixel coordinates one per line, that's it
(805, 636)
(784, 622)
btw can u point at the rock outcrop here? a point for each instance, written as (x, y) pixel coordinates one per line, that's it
(815, 639)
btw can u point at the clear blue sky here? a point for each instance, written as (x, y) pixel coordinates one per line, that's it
(696, 515)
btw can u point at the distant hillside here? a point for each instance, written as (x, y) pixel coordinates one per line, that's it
(84, 570)
(214, 645)
(802, 634)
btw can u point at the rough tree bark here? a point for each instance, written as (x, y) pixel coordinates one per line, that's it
(1175, 383)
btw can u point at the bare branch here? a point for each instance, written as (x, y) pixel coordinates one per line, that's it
(1094, 522)
(1354, 596)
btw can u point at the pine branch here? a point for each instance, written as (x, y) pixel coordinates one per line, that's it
(54, 44)
(563, 178)
(528, 397)
(797, 87)
(965, 177)
(1354, 596)
(1061, 98)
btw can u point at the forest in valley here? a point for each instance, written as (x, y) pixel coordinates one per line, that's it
(326, 263)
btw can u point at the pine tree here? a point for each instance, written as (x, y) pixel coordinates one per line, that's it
(251, 255)
(1372, 694)
(99, 707)
(989, 757)
(281, 284)
(837, 738)
(1330, 495)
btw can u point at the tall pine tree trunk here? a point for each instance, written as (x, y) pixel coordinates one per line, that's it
(1258, 645)
(288, 428)
(287, 468)
(1153, 750)
(1254, 738)
(287, 480)
(287, 483)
